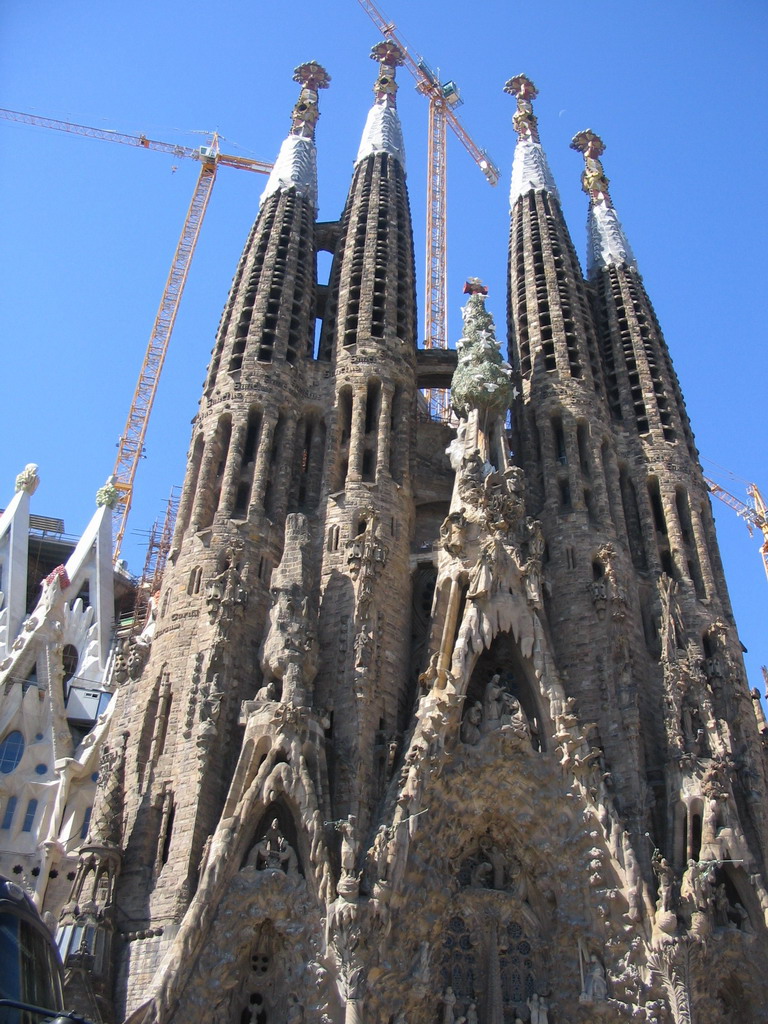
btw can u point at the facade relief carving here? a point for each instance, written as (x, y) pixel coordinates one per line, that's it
(226, 595)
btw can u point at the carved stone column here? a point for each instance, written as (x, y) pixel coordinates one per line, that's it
(384, 432)
(357, 435)
(207, 468)
(263, 455)
(232, 469)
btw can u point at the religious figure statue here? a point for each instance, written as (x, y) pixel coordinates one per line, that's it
(267, 692)
(452, 533)
(349, 844)
(273, 852)
(492, 704)
(666, 876)
(513, 716)
(539, 1010)
(595, 985)
(449, 1001)
(470, 727)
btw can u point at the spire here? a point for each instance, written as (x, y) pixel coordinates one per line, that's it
(382, 132)
(530, 170)
(296, 165)
(606, 242)
(482, 378)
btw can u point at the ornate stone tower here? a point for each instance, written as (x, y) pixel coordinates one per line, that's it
(539, 796)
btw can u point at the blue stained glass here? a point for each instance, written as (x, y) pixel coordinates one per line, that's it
(11, 752)
(10, 807)
(29, 816)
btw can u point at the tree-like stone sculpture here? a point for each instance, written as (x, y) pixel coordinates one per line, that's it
(482, 377)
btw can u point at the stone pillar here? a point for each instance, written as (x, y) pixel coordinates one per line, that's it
(612, 483)
(572, 454)
(315, 463)
(207, 468)
(263, 455)
(700, 540)
(675, 534)
(357, 436)
(284, 462)
(384, 432)
(648, 527)
(232, 469)
(449, 632)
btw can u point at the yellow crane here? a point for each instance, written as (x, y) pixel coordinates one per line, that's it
(755, 515)
(131, 443)
(444, 98)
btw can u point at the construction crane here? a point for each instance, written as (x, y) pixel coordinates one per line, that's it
(158, 548)
(755, 515)
(444, 98)
(131, 443)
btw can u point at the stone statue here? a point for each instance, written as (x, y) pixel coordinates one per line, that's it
(538, 1007)
(267, 692)
(492, 704)
(513, 715)
(274, 853)
(595, 985)
(666, 876)
(452, 533)
(493, 857)
(449, 1001)
(349, 845)
(695, 888)
(295, 1014)
(471, 726)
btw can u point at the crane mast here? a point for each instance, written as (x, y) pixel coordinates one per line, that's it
(131, 442)
(443, 98)
(130, 446)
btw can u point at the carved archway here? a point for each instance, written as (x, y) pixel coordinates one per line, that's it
(516, 677)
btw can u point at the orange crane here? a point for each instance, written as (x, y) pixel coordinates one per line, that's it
(754, 515)
(131, 443)
(444, 98)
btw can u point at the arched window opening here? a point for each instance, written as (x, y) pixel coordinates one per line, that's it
(501, 686)
(69, 659)
(10, 810)
(29, 816)
(195, 579)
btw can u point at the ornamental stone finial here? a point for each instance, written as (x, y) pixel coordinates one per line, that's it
(312, 77)
(524, 119)
(389, 56)
(108, 494)
(474, 286)
(28, 480)
(593, 179)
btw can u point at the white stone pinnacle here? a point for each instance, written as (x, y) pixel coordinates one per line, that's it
(295, 167)
(382, 133)
(607, 244)
(530, 171)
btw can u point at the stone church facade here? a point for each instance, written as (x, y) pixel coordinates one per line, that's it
(438, 722)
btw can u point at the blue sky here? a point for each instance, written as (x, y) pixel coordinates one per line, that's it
(676, 89)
